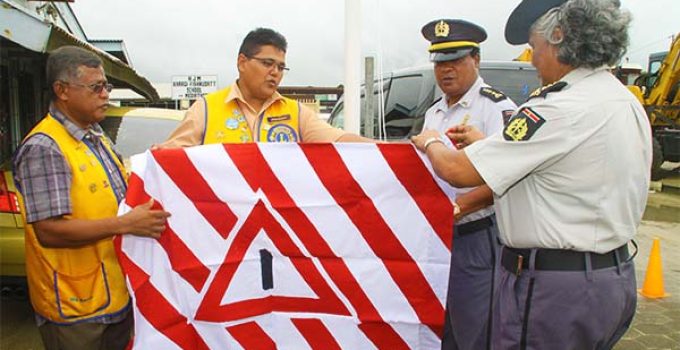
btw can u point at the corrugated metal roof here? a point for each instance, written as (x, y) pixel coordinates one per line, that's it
(22, 28)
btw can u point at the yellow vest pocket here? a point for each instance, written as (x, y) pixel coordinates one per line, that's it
(82, 296)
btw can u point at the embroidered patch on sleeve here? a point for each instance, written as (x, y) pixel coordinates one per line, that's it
(523, 125)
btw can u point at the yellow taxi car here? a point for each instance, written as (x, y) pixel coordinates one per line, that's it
(132, 130)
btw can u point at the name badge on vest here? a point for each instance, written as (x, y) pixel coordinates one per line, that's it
(278, 118)
(282, 133)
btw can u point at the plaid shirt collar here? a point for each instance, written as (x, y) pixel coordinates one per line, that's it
(73, 129)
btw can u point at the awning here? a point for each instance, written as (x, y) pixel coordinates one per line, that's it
(37, 35)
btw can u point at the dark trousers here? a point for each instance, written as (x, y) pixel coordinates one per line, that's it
(579, 310)
(87, 336)
(471, 288)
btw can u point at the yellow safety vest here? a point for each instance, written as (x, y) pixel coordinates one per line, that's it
(225, 123)
(68, 285)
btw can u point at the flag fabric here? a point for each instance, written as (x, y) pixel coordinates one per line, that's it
(289, 246)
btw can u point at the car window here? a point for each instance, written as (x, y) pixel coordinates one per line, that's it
(132, 135)
(515, 83)
(402, 105)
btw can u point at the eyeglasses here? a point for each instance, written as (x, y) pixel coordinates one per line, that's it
(96, 87)
(270, 63)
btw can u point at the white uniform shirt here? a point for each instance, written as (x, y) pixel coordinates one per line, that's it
(483, 113)
(577, 179)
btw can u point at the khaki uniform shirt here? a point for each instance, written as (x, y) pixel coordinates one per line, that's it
(571, 169)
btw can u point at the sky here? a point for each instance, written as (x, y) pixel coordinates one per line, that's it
(170, 37)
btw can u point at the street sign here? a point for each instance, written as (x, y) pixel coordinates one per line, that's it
(191, 87)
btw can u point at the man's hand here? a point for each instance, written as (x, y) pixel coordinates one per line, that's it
(419, 140)
(144, 221)
(464, 135)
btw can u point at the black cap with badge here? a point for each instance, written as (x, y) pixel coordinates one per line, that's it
(451, 39)
(524, 16)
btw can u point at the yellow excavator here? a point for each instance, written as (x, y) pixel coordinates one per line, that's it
(659, 91)
(524, 56)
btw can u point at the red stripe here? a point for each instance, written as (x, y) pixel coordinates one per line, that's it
(529, 113)
(259, 175)
(419, 183)
(156, 309)
(136, 194)
(182, 171)
(339, 182)
(251, 336)
(316, 334)
(182, 259)
(381, 340)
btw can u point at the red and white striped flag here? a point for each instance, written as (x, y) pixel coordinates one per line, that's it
(287, 246)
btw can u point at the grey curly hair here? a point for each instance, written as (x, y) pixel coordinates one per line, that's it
(594, 32)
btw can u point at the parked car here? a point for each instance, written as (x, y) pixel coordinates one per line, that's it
(132, 131)
(409, 93)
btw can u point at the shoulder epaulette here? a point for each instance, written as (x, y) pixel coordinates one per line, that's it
(545, 90)
(493, 94)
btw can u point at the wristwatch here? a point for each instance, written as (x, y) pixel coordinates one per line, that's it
(456, 208)
(430, 141)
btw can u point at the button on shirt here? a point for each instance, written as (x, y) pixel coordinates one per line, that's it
(478, 111)
(579, 182)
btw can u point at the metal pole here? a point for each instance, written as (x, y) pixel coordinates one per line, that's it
(368, 112)
(352, 107)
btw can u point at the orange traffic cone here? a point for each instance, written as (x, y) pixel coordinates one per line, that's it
(653, 286)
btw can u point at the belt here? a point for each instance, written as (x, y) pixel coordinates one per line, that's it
(473, 226)
(515, 260)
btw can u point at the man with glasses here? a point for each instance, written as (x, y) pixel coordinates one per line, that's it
(70, 183)
(467, 100)
(251, 110)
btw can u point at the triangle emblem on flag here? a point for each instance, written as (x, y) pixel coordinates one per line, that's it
(218, 307)
(265, 271)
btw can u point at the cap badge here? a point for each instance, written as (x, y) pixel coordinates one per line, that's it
(441, 29)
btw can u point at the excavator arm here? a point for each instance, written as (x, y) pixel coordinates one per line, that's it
(662, 101)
